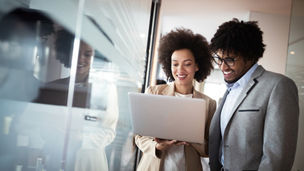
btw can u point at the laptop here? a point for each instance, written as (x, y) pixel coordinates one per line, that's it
(168, 117)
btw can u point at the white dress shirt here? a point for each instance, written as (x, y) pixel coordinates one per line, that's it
(235, 90)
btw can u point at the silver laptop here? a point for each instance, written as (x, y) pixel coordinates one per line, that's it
(168, 117)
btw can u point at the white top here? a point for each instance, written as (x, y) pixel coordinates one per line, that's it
(175, 158)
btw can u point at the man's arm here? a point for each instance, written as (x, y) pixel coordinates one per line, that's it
(281, 127)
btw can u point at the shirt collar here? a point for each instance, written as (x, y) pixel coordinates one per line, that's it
(243, 80)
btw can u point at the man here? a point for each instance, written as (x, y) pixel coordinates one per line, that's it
(256, 124)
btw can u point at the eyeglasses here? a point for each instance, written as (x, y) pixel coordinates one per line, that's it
(228, 61)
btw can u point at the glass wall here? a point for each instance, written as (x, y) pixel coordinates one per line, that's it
(295, 70)
(66, 68)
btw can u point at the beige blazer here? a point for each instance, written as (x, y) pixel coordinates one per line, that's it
(151, 161)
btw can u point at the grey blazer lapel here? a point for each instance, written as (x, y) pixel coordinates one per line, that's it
(252, 82)
(215, 125)
(215, 134)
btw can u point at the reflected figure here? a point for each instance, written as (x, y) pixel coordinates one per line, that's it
(21, 37)
(95, 112)
(21, 34)
(64, 43)
(97, 135)
(56, 92)
(34, 133)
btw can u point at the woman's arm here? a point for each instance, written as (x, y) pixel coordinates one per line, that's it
(147, 145)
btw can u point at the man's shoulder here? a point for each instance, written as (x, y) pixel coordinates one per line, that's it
(263, 75)
(270, 76)
(269, 80)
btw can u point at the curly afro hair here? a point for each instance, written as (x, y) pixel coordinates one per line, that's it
(182, 38)
(29, 18)
(64, 45)
(239, 37)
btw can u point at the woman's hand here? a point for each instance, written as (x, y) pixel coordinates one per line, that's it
(181, 143)
(163, 144)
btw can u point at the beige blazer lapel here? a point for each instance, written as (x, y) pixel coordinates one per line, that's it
(169, 90)
(196, 94)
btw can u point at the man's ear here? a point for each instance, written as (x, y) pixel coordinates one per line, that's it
(196, 68)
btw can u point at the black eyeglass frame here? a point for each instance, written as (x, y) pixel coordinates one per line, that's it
(229, 61)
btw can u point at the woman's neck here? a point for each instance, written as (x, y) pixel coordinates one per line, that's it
(184, 89)
(81, 78)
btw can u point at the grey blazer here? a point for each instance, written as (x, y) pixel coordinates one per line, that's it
(262, 132)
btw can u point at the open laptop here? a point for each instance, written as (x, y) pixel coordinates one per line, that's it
(168, 117)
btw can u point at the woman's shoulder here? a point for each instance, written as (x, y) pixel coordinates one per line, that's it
(157, 89)
(202, 96)
(210, 102)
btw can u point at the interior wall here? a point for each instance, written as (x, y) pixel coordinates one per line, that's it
(204, 23)
(276, 31)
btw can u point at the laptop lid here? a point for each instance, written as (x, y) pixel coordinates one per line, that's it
(168, 117)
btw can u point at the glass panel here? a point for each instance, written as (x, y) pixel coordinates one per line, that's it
(295, 70)
(66, 69)
(32, 134)
(116, 70)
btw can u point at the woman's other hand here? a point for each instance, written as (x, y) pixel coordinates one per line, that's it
(163, 144)
(181, 143)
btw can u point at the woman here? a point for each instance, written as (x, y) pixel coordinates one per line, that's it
(56, 92)
(184, 56)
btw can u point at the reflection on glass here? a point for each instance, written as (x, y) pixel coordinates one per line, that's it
(21, 34)
(97, 133)
(21, 31)
(95, 114)
(295, 70)
(38, 131)
(56, 92)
